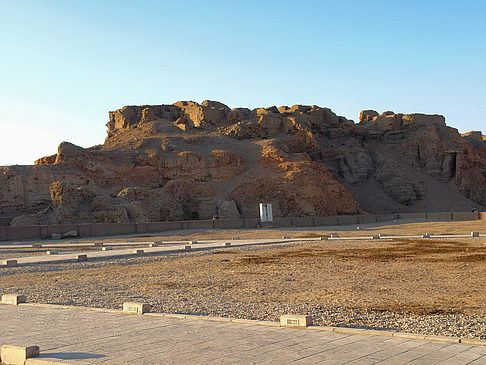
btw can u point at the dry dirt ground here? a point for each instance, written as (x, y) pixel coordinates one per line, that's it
(428, 286)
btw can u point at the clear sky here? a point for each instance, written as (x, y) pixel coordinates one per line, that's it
(65, 64)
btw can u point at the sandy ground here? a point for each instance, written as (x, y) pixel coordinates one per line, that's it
(398, 227)
(427, 286)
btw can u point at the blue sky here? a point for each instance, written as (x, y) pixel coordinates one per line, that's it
(65, 64)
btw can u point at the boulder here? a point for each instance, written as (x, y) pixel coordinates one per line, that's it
(70, 234)
(228, 210)
(475, 137)
(117, 214)
(71, 155)
(25, 220)
(200, 115)
(367, 116)
(399, 184)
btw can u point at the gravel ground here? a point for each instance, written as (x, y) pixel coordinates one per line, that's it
(431, 287)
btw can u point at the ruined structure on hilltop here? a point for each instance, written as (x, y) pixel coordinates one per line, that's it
(196, 161)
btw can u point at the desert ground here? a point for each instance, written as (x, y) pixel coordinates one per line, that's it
(427, 286)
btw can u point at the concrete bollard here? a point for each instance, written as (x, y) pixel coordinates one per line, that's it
(474, 234)
(106, 248)
(13, 299)
(136, 308)
(227, 244)
(50, 252)
(289, 320)
(153, 244)
(9, 263)
(17, 355)
(137, 252)
(82, 257)
(193, 242)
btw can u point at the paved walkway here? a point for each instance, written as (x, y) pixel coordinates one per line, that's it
(164, 247)
(75, 336)
(158, 249)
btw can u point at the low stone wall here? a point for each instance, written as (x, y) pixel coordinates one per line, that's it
(465, 216)
(440, 217)
(412, 215)
(8, 233)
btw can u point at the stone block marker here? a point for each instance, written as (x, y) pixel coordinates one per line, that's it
(227, 244)
(153, 244)
(13, 299)
(376, 237)
(193, 242)
(70, 234)
(56, 236)
(9, 263)
(136, 308)
(290, 320)
(427, 235)
(187, 248)
(16, 355)
(137, 252)
(474, 234)
(51, 252)
(334, 235)
(82, 257)
(323, 238)
(106, 248)
(285, 237)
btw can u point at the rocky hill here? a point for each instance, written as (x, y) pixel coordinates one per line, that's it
(196, 161)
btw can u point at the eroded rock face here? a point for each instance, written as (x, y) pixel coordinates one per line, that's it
(198, 161)
(399, 183)
(296, 187)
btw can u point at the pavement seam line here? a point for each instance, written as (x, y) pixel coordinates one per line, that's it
(345, 330)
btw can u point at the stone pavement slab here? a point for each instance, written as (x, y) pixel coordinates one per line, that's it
(117, 253)
(83, 336)
(164, 247)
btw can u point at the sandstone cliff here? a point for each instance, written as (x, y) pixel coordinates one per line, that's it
(196, 161)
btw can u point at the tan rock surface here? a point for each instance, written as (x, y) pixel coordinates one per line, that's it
(185, 160)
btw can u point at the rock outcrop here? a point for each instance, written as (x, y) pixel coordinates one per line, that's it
(198, 161)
